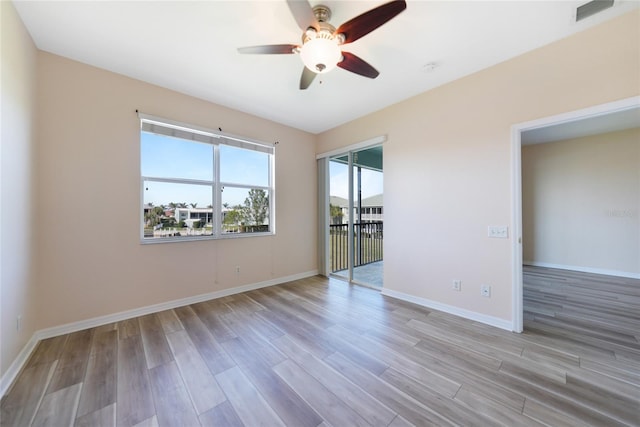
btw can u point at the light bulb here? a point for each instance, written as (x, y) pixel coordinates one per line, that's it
(320, 55)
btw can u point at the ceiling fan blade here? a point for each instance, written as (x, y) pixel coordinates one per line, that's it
(363, 24)
(306, 78)
(355, 64)
(269, 49)
(303, 14)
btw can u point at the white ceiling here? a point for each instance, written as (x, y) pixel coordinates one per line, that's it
(610, 122)
(190, 47)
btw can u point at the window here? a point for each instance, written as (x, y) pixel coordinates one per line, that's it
(200, 184)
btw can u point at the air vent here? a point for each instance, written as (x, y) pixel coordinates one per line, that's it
(591, 8)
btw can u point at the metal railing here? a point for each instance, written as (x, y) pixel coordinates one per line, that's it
(367, 240)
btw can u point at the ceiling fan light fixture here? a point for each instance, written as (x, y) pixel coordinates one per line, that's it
(320, 49)
(311, 33)
(320, 55)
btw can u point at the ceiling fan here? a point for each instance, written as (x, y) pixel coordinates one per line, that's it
(320, 49)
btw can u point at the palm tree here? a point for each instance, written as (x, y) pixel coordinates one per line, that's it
(335, 212)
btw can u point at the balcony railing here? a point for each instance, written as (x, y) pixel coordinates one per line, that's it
(367, 238)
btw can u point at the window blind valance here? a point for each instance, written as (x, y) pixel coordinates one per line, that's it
(175, 129)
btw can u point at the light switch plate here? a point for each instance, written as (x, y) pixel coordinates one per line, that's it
(498, 231)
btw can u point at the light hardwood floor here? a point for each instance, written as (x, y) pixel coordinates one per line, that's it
(318, 352)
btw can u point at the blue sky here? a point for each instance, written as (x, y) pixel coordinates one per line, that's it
(168, 157)
(339, 181)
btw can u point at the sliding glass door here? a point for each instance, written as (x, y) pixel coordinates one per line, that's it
(356, 216)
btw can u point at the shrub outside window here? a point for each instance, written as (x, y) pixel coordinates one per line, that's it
(202, 184)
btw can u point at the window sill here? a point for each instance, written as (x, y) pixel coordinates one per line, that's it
(152, 241)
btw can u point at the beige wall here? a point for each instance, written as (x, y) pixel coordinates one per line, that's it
(447, 177)
(581, 203)
(447, 161)
(91, 260)
(17, 281)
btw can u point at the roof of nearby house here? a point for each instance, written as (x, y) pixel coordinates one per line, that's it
(338, 201)
(376, 200)
(190, 209)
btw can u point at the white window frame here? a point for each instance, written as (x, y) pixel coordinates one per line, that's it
(185, 131)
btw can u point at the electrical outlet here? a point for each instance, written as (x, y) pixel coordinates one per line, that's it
(238, 269)
(485, 291)
(457, 285)
(19, 323)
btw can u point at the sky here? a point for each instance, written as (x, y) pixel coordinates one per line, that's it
(164, 156)
(339, 181)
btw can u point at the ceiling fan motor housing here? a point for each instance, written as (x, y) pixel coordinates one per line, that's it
(322, 13)
(320, 52)
(324, 29)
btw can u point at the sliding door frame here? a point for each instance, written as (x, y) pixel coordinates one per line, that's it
(323, 202)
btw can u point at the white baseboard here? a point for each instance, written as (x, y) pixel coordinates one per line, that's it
(467, 314)
(10, 375)
(128, 314)
(606, 272)
(14, 369)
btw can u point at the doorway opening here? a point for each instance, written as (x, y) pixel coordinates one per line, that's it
(590, 121)
(356, 216)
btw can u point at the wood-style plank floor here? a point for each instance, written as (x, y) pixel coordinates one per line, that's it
(318, 352)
